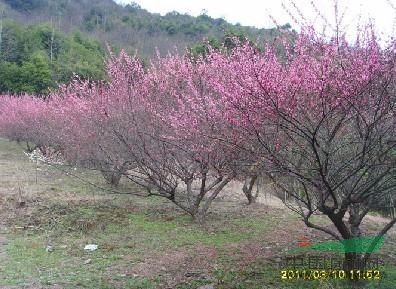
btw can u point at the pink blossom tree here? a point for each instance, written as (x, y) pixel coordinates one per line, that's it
(155, 127)
(20, 119)
(74, 120)
(167, 132)
(323, 116)
(89, 113)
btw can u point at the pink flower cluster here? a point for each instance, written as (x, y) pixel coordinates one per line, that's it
(205, 109)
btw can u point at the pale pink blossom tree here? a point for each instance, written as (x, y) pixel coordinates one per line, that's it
(89, 113)
(20, 119)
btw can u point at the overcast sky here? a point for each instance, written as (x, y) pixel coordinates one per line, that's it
(257, 13)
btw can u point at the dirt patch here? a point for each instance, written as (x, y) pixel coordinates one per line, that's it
(233, 192)
(284, 235)
(376, 223)
(177, 266)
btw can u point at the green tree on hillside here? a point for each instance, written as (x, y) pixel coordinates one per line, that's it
(79, 56)
(26, 5)
(32, 76)
(37, 57)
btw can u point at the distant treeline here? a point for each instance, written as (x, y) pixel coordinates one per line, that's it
(43, 42)
(35, 58)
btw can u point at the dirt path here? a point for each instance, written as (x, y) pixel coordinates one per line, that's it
(3, 244)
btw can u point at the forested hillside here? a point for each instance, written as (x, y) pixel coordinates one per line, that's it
(35, 58)
(43, 42)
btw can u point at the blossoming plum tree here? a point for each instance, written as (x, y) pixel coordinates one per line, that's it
(316, 114)
(323, 115)
(170, 146)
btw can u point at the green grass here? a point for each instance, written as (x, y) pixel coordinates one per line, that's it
(11, 148)
(182, 232)
(119, 232)
(64, 266)
(125, 236)
(129, 230)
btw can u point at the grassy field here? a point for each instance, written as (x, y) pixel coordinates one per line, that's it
(143, 242)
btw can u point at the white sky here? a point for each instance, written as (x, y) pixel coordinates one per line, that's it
(256, 12)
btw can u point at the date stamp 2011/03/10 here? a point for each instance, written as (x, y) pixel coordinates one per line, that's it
(321, 274)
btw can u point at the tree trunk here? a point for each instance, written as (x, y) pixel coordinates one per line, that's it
(112, 177)
(354, 261)
(199, 217)
(248, 189)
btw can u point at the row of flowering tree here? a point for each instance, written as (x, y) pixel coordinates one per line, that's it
(324, 119)
(130, 126)
(315, 114)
